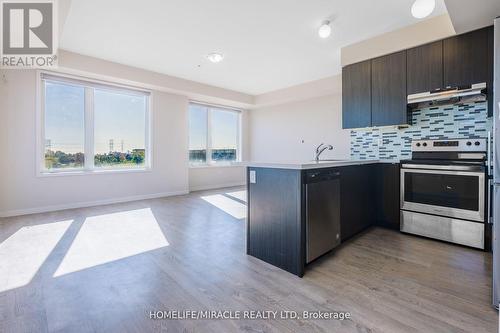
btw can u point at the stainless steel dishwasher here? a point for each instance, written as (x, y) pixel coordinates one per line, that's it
(322, 212)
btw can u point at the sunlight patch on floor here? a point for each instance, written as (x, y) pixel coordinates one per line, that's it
(232, 207)
(106, 238)
(240, 195)
(25, 251)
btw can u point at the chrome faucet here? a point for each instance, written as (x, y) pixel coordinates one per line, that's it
(320, 149)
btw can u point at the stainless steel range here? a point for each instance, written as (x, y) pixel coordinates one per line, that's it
(443, 191)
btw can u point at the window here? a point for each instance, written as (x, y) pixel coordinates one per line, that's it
(214, 134)
(90, 126)
(64, 126)
(198, 134)
(119, 129)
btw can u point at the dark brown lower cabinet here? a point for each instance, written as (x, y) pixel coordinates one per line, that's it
(276, 223)
(357, 199)
(387, 189)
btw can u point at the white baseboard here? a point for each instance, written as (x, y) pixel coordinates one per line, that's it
(53, 208)
(215, 186)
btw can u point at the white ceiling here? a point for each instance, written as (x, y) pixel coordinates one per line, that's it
(470, 15)
(268, 44)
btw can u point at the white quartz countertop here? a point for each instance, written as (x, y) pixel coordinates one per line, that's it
(306, 165)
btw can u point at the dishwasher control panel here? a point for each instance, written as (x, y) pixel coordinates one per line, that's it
(322, 175)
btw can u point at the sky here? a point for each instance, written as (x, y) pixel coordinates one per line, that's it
(64, 117)
(117, 116)
(121, 117)
(224, 128)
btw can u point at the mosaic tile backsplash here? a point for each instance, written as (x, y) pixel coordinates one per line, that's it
(440, 122)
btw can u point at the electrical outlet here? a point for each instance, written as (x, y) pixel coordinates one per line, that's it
(253, 177)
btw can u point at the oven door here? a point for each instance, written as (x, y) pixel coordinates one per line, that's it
(457, 194)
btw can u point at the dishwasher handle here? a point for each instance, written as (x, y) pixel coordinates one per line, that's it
(321, 175)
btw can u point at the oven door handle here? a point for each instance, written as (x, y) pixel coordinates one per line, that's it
(471, 168)
(480, 174)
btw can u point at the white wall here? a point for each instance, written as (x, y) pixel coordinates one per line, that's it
(328, 86)
(23, 191)
(26, 192)
(420, 33)
(277, 132)
(203, 178)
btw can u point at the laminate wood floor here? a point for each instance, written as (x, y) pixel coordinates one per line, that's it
(103, 269)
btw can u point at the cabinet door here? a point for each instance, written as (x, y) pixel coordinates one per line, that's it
(389, 90)
(357, 199)
(356, 95)
(425, 68)
(465, 58)
(387, 195)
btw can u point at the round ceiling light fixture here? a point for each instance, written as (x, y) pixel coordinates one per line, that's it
(325, 29)
(215, 57)
(423, 8)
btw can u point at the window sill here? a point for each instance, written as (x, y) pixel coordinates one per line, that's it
(208, 166)
(91, 172)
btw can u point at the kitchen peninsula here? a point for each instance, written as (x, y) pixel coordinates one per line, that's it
(300, 211)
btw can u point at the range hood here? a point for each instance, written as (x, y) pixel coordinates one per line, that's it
(451, 94)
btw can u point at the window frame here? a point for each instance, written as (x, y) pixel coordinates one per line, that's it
(209, 108)
(89, 149)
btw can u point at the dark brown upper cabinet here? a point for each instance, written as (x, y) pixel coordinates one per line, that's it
(356, 95)
(465, 59)
(425, 68)
(374, 92)
(389, 90)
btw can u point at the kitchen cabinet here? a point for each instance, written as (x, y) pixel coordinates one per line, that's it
(465, 59)
(389, 106)
(356, 95)
(379, 98)
(387, 195)
(424, 68)
(468, 59)
(274, 227)
(357, 200)
(283, 204)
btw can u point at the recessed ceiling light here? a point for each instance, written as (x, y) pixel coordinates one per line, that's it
(325, 30)
(423, 8)
(215, 57)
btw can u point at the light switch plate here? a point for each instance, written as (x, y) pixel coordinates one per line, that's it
(252, 177)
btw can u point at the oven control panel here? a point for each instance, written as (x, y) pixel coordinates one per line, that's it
(453, 145)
